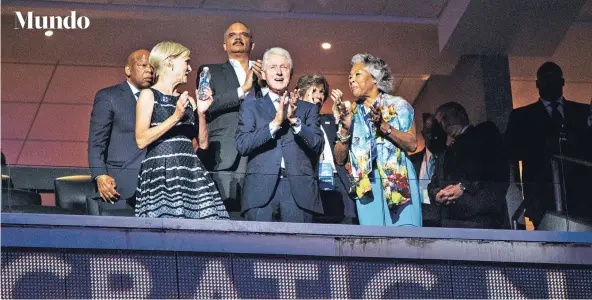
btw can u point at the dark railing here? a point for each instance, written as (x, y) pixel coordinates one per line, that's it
(22, 179)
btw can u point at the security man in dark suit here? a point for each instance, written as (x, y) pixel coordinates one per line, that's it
(548, 127)
(233, 83)
(113, 155)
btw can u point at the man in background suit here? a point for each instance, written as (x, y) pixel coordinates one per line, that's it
(470, 179)
(232, 83)
(113, 155)
(338, 206)
(282, 138)
(536, 132)
(590, 116)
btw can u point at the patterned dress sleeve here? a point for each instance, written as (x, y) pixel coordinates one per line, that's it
(404, 112)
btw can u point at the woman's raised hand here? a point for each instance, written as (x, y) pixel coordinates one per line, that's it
(203, 105)
(181, 105)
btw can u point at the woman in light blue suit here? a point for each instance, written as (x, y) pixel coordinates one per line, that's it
(375, 133)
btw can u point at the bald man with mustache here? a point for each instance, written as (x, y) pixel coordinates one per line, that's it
(113, 155)
(233, 84)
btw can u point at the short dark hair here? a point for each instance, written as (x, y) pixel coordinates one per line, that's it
(453, 113)
(225, 37)
(549, 68)
(425, 117)
(305, 82)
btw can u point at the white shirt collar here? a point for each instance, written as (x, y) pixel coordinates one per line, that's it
(549, 107)
(236, 64)
(273, 96)
(134, 89)
(548, 103)
(464, 128)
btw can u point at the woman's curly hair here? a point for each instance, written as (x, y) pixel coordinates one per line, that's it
(378, 69)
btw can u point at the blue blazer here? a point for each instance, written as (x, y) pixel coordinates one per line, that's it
(112, 147)
(300, 152)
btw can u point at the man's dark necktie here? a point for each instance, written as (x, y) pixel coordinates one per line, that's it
(556, 117)
(137, 94)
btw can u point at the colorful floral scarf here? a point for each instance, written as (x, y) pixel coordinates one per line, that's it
(366, 145)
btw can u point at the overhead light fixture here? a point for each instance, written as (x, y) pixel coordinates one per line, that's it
(326, 46)
(425, 77)
(49, 33)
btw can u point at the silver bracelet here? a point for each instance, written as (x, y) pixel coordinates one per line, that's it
(343, 139)
(340, 138)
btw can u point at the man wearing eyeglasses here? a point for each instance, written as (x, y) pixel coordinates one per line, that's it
(233, 83)
(282, 137)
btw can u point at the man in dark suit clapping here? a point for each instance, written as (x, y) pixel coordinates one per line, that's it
(113, 155)
(282, 138)
(233, 83)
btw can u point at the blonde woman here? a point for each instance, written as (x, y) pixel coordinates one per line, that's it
(173, 182)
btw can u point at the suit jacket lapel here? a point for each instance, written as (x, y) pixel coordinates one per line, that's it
(545, 118)
(258, 92)
(128, 98)
(328, 125)
(570, 111)
(330, 130)
(542, 110)
(230, 74)
(327, 122)
(268, 106)
(127, 95)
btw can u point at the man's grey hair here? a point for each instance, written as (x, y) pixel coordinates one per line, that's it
(276, 51)
(378, 69)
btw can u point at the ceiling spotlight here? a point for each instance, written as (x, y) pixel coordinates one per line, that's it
(425, 77)
(326, 46)
(49, 33)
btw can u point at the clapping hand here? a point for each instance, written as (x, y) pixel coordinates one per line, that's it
(291, 102)
(181, 105)
(337, 95)
(255, 70)
(376, 114)
(256, 67)
(342, 110)
(279, 115)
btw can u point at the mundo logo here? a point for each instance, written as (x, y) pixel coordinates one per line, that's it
(31, 21)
